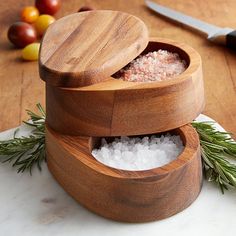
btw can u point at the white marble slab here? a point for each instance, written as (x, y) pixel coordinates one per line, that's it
(37, 206)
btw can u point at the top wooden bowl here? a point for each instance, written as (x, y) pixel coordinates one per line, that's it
(116, 107)
(78, 56)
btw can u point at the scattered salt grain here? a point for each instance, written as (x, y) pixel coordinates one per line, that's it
(154, 66)
(129, 153)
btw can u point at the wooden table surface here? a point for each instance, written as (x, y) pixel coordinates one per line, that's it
(21, 88)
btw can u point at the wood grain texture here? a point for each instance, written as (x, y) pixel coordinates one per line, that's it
(131, 196)
(21, 88)
(118, 107)
(86, 48)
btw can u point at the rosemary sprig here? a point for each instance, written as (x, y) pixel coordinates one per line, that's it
(26, 152)
(216, 150)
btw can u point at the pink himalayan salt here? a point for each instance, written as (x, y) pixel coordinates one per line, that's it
(153, 66)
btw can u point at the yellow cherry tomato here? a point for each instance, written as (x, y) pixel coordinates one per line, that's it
(42, 23)
(31, 52)
(29, 14)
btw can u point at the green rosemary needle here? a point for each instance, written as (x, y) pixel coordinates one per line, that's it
(216, 150)
(26, 152)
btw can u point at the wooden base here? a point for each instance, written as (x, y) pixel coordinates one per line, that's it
(130, 196)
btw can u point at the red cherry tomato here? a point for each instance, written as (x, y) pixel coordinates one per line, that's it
(21, 34)
(49, 7)
(29, 14)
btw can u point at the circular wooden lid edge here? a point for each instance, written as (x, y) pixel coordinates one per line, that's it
(85, 48)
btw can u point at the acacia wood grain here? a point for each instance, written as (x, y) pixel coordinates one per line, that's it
(86, 48)
(116, 107)
(131, 196)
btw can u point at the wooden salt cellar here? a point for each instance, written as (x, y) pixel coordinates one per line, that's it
(78, 56)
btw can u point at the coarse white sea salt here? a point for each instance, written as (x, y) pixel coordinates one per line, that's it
(134, 153)
(154, 66)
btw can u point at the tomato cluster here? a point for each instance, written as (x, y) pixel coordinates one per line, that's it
(34, 22)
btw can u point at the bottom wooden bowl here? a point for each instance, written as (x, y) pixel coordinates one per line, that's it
(131, 196)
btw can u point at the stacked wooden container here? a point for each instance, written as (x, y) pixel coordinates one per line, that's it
(78, 56)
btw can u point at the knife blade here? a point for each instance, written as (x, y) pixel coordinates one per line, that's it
(226, 36)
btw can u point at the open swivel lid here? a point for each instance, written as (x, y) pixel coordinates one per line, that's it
(86, 48)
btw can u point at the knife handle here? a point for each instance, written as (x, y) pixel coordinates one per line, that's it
(231, 40)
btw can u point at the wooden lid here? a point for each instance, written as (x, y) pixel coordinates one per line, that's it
(85, 48)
